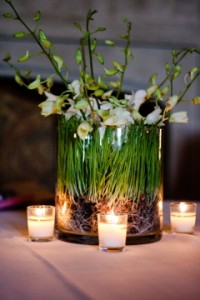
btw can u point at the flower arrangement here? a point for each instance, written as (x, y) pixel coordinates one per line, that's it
(109, 142)
(100, 100)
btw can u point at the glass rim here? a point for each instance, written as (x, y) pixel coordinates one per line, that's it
(40, 206)
(114, 214)
(185, 202)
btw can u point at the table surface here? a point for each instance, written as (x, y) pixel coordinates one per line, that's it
(167, 269)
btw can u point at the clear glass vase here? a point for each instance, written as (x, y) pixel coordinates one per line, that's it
(113, 168)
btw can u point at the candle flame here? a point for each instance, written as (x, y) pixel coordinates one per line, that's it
(111, 217)
(183, 207)
(40, 211)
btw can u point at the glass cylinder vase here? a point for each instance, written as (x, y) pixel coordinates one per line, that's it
(117, 169)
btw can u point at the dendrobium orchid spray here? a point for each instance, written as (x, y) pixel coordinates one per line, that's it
(97, 100)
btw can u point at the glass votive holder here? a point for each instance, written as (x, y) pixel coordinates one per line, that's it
(182, 216)
(112, 230)
(41, 222)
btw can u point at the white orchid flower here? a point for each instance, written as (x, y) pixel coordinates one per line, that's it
(52, 105)
(118, 117)
(88, 111)
(107, 95)
(104, 110)
(72, 111)
(83, 130)
(153, 117)
(105, 105)
(75, 87)
(48, 108)
(135, 100)
(139, 98)
(93, 103)
(179, 117)
(171, 102)
(130, 98)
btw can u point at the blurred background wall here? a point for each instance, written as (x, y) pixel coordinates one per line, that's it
(27, 140)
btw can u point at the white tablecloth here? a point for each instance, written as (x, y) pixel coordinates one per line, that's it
(57, 270)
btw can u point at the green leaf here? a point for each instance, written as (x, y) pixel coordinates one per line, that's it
(35, 84)
(59, 61)
(103, 113)
(102, 83)
(24, 57)
(177, 71)
(82, 104)
(49, 82)
(109, 43)
(43, 39)
(79, 57)
(114, 84)
(165, 90)
(37, 16)
(100, 29)
(78, 26)
(18, 79)
(98, 93)
(100, 58)
(153, 78)
(47, 44)
(129, 53)
(93, 45)
(42, 35)
(118, 66)
(193, 72)
(9, 16)
(158, 94)
(167, 67)
(124, 36)
(92, 86)
(174, 53)
(20, 34)
(124, 19)
(110, 72)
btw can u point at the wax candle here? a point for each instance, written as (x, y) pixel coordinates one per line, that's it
(41, 219)
(182, 216)
(112, 231)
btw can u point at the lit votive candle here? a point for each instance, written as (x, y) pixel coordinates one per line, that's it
(41, 220)
(112, 230)
(182, 216)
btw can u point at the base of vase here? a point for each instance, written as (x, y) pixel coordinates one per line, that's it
(93, 239)
(143, 239)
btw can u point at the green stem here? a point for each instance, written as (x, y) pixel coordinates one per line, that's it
(126, 50)
(53, 63)
(188, 86)
(89, 41)
(175, 63)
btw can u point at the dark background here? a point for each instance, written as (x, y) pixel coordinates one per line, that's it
(28, 140)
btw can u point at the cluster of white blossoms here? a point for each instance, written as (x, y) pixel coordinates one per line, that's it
(99, 100)
(108, 111)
